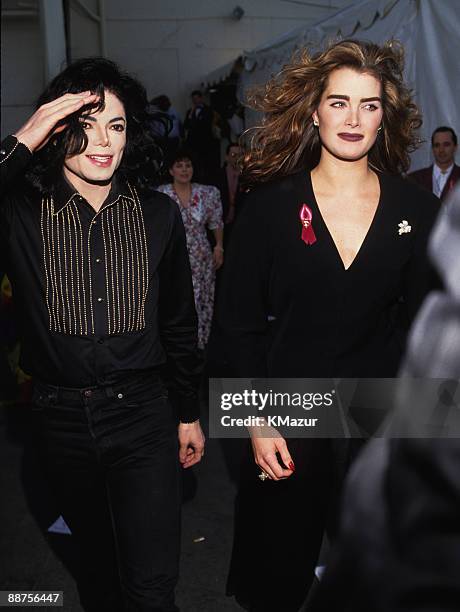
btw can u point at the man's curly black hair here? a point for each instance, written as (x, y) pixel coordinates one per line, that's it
(142, 157)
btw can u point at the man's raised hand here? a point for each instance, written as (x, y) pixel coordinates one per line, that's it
(39, 128)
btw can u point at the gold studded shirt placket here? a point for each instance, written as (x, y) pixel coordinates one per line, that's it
(74, 286)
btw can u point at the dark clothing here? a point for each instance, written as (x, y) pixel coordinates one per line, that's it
(111, 455)
(288, 309)
(279, 527)
(198, 127)
(398, 549)
(424, 177)
(399, 544)
(222, 184)
(100, 296)
(304, 314)
(104, 299)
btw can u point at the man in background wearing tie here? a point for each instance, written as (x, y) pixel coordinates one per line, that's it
(441, 177)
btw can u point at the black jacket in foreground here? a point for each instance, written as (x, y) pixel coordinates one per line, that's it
(290, 309)
(100, 296)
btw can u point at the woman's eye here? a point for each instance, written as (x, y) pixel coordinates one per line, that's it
(85, 125)
(118, 127)
(371, 107)
(338, 104)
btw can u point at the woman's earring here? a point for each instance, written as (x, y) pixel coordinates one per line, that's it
(315, 123)
(379, 129)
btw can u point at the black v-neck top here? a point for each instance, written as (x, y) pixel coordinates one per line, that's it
(289, 309)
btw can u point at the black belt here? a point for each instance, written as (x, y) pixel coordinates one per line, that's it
(113, 390)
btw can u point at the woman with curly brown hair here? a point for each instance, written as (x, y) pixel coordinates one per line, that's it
(328, 258)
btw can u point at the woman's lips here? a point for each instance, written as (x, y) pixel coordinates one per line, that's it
(350, 137)
(103, 161)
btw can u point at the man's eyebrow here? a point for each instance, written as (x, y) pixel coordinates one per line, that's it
(89, 118)
(340, 97)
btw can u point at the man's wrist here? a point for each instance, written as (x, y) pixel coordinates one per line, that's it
(219, 247)
(11, 147)
(20, 140)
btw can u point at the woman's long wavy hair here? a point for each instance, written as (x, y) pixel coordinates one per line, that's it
(141, 158)
(287, 140)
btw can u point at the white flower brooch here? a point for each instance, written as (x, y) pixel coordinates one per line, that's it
(404, 227)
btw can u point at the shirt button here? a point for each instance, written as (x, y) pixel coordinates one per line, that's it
(3, 152)
(99, 299)
(93, 222)
(100, 341)
(88, 393)
(120, 396)
(98, 260)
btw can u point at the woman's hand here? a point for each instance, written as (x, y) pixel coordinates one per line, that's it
(191, 443)
(218, 256)
(37, 131)
(265, 450)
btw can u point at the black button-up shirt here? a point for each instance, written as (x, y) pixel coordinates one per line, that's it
(100, 295)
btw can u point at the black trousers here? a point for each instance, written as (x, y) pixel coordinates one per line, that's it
(279, 526)
(111, 455)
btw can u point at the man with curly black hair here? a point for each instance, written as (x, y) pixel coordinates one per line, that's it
(103, 290)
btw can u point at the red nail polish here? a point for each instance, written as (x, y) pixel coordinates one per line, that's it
(292, 466)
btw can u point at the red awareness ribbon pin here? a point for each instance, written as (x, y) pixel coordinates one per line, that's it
(308, 234)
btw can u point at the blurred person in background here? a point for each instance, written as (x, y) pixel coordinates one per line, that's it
(236, 122)
(229, 182)
(201, 209)
(171, 137)
(200, 136)
(443, 175)
(103, 292)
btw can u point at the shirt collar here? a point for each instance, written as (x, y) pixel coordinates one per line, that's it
(64, 193)
(438, 172)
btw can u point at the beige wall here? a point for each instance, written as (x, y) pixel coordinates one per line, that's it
(22, 67)
(171, 45)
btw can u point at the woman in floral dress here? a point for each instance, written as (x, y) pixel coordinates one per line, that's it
(201, 208)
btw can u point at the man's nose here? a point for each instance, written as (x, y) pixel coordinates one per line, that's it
(102, 138)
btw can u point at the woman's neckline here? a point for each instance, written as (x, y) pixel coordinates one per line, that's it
(187, 205)
(370, 229)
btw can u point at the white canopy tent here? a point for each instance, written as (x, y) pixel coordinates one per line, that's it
(429, 31)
